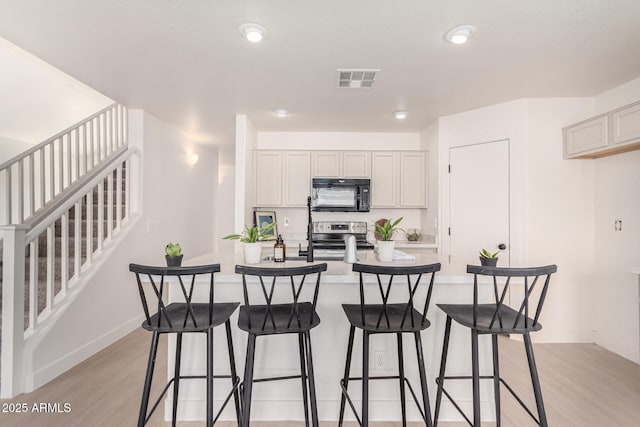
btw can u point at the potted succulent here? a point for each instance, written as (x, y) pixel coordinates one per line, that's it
(384, 231)
(250, 238)
(173, 254)
(488, 259)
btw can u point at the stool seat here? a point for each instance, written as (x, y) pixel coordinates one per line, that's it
(385, 318)
(487, 320)
(182, 321)
(278, 318)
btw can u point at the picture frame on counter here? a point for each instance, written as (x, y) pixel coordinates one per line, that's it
(262, 218)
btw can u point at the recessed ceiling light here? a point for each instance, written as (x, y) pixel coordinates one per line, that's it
(460, 35)
(253, 32)
(281, 112)
(400, 114)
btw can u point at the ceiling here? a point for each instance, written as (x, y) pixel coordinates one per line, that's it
(186, 62)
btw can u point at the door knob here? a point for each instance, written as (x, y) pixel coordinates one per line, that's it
(502, 246)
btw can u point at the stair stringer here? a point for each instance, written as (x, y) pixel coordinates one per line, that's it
(64, 340)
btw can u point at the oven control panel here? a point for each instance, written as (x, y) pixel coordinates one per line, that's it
(340, 227)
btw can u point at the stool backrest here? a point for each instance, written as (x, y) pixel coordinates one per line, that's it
(154, 277)
(385, 274)
(531, 276)
(293, 277)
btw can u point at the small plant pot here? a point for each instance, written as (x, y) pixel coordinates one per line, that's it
(385, 250)
(252, 252)
(173, 261)
(488, 262)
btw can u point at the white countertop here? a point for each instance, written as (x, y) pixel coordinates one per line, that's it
(337, 271)
(635, 270)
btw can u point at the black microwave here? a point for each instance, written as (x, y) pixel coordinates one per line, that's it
(340, 195)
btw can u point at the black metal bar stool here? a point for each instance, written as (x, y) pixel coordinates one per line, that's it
(496, 319)
(389, 318)
(293, 316)
(179, 317)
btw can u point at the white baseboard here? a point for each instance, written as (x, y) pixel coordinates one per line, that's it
(63, 364)
(625, 349)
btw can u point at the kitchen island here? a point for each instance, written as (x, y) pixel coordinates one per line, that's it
(283, 400)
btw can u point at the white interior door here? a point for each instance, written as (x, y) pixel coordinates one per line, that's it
(479, 202)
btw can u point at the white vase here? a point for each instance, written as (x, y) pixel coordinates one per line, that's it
(252, 252)
(385, 250)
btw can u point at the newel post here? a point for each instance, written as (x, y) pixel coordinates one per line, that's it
(12, 310)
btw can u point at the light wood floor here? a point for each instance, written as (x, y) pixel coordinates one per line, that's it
(583, 385)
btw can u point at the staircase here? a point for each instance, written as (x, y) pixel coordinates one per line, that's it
(66, 200)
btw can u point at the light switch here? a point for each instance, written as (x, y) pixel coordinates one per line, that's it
(152, 226)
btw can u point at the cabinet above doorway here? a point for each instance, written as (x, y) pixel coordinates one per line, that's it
(615, 132)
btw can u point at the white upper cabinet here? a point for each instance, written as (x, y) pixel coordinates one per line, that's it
(356, 164)
(282, 178)
(341, 164)
(326, 164)
(611, 133)
(626, 124)
(268, 178)
(586, 136)
(399, 179)
(296, 177)
(413, 179)
(384, 179)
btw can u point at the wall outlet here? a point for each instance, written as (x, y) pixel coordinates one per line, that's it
(617, 225)
(378, 359)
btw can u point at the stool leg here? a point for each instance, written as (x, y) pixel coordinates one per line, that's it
(423, 381)
(248, 380)
(443, 363)
(312, 383)
(303, 376)
(535, 380)
(496, 378)
(153, 350)
(176, 378)
(403, 405)
(365, 379)
(234, 374)
(475, 377)
(347, 369)
(209, 377)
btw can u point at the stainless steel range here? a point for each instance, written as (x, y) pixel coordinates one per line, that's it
(332, 235)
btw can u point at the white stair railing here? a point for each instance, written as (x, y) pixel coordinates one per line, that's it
(69, 217)
(36, 177)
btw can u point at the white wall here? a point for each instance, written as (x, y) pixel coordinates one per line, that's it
(38, 99)
(430, 141)
(338, 141)
(559, 219)
(617, 180)
(551, 199)
(179, 199)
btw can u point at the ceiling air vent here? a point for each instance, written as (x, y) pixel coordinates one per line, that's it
(356, 79)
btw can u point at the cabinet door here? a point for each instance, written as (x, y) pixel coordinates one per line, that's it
(586, 136)
(626, 124)
(326, 164)
(413, 179)
(384, 179)
(297, 177)
(356, 164)
(268, 178)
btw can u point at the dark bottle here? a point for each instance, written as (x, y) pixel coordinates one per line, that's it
(279, 250)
